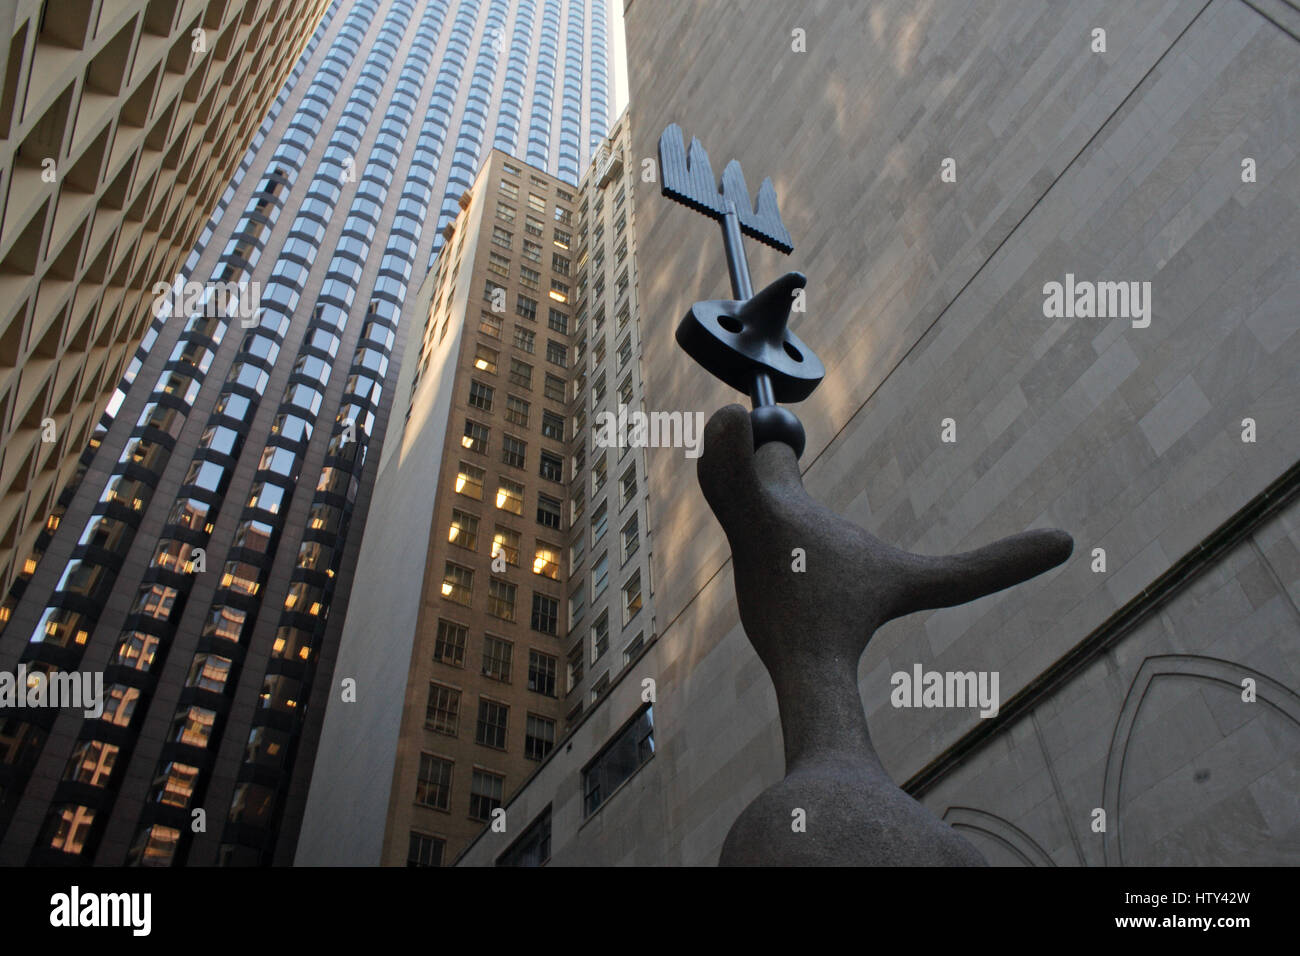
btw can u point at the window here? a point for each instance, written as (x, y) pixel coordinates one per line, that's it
(627, 485)
(442, 714)
(548, 511)
(633, 648)
(509, 189)
(464, 529)
(562, 238)
(490, 324)
(546, 561)
(577, 605)
(554, 389)
(546, 614)
(579, 500)
(424, 850)
(513, 451)
(552, 466)
(449, 647)
(505, 212)
(630, 537)
(492, 720)
(480, 395)
(502, 237)
(529, 278)
(631, 597)
(563, 216)
(557, 321)
(433, 785)
(501, 599)
(533, 848)
(621, 758)
(599, 576)
(625, 391)
(541, 673)
(525, 339)
(457, 583)
(506, 543)
(494, 292)
(476, 437)
(536, 203)
(577, 661)
(598, 473)
(532, 250)
(527, 308)
(625, 352)
(497, 655)
(599, 686)
(469, 481)
(516, 411)
(485, 794)
(485, 359)
(521, 374)
(92, 762)
(533, 226)
(498, 264)
(510, 496)
(539, 737)
(600, 636)
(552, 426)
(557, 354)
(599, 520)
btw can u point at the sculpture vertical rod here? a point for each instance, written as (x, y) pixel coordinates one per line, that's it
(760, 392)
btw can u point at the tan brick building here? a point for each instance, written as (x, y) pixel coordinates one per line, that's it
(504, 577)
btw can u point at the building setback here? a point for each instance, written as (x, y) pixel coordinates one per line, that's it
(205, 561)
(1154, 681)
(504, 578)
(120, 125)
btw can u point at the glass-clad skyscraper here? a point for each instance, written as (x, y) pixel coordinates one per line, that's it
(203, 564)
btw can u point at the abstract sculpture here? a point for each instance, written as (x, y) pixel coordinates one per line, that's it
(810, 629)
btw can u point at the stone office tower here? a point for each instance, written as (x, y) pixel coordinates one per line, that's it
(120, 125)
(1154, 676)
(205, 563)
(504, 582)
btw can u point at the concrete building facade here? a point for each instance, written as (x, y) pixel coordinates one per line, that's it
(120, 125)
(205, 563)
(939, 168)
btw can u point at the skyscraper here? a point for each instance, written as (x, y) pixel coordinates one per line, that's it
(504, 582)
(204, 565)
(943, 172)
(120, 125)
